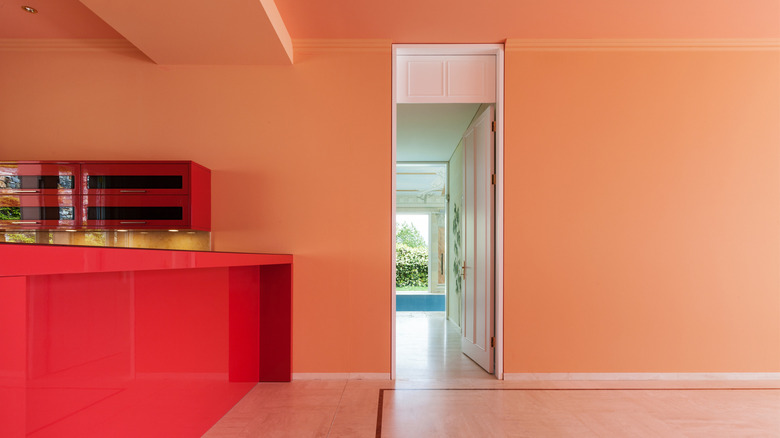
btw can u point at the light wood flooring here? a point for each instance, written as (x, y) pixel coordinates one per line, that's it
(441, 393)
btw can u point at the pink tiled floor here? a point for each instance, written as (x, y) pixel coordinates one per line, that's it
(440, 393)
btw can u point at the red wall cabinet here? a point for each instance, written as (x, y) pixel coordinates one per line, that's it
(105, 195)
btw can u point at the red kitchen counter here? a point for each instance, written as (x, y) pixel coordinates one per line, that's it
(117, 341)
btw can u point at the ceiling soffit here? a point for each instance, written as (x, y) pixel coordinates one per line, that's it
(229, 32)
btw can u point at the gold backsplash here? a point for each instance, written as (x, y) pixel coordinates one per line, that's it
(158, 239)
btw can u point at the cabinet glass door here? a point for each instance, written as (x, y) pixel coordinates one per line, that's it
(44, 179)
(135, 178)
(135, 211)
(37, 211)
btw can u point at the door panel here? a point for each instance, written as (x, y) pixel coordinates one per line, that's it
(136, 211)
(446, 79)
(135, 178)
(478, 205)
(37, 211)
(39, 178)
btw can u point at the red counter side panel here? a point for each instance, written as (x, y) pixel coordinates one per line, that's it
(275, 323)
(136, 342)
(13, 356)
(244, 300)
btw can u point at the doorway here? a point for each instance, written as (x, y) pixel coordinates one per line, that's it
(462, 96)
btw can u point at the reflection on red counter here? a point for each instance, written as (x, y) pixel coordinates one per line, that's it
(136, 353)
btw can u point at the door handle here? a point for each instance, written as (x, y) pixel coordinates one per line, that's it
(25, 191)
(132, 222)
(25, 222)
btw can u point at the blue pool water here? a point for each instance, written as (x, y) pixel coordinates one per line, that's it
(419, 302)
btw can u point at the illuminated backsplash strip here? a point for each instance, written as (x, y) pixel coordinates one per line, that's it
(156, 239)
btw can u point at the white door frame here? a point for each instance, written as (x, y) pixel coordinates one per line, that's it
(462, 49)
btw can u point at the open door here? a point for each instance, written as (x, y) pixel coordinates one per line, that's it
(478, 240)
(464, 74)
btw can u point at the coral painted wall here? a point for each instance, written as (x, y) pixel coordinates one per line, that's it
(642, 186)
(642, 211)
(300, 159)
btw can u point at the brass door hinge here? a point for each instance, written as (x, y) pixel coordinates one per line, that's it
(492, 341)
(493, 179)
(493, 126)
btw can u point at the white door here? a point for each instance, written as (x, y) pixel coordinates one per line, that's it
(478, 202)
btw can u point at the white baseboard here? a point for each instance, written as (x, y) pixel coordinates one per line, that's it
(341, 376)
(639, 376)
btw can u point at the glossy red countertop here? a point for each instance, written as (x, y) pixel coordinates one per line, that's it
(29, 259)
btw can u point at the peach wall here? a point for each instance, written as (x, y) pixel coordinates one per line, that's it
(642, 222)
(642, 211)
(300, 159)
